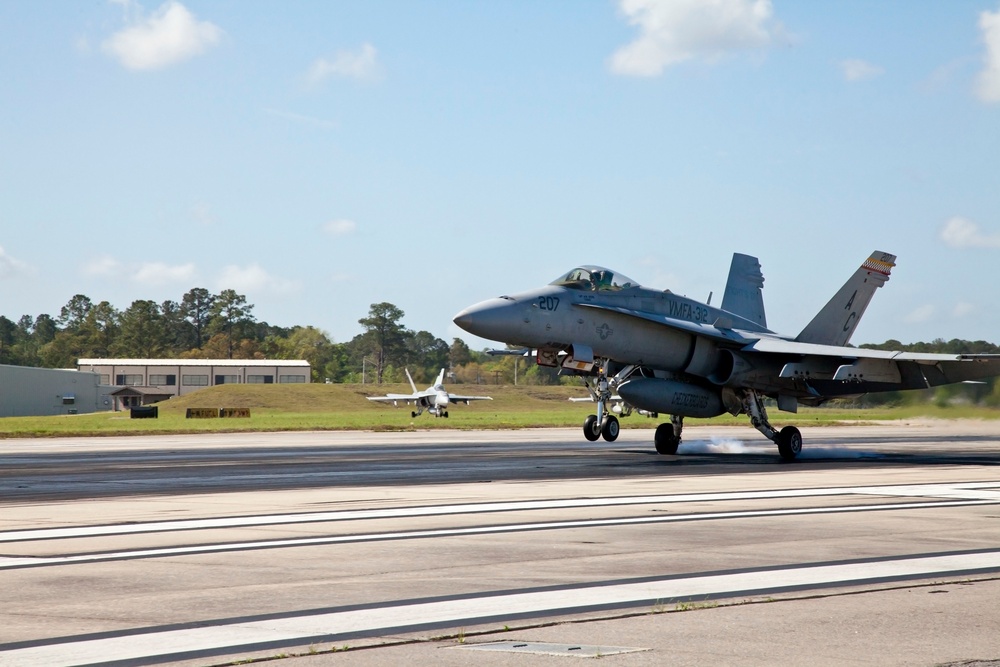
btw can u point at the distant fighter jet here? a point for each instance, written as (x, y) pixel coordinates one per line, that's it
(435, 398)
(664, 353)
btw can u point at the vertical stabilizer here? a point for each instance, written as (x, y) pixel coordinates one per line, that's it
(412, 386)
(440, 379)
(744, 290)
(835, 324)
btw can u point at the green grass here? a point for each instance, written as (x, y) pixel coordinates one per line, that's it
(344, 407)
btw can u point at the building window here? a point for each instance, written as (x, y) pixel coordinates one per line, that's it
(69, 399)
(194, 380)
(260, 379)
(105, 379)
(227, 379)
(128, 380)
(292, 379)
(163, 380)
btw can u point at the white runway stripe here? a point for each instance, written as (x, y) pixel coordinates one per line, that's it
(29, 561)
(971, 491)
(342, 625)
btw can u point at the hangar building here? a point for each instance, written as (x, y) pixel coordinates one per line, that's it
(177, 377)
(32, 392)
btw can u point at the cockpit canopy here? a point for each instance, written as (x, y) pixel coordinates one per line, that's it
(594, 278)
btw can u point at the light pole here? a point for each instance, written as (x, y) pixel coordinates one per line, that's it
(364, 369)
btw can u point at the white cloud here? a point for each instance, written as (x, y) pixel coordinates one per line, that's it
(921, 314)
(859, 70)
(963, 308)
(253, 278)
(11, 266)
(149, 273)
(362, 65)
(158, 273)
(341, 227)
(168, 36)
(672, 32)
(104, 266)
(961, 233)
(988, 83)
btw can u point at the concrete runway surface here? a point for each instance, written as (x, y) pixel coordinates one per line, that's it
(881, 546)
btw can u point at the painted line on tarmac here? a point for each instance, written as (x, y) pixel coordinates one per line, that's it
(17, 562)
(227, 637)
(971, 491)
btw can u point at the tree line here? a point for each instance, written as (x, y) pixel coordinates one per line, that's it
(203, 325)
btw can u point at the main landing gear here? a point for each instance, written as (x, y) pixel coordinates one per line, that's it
(668, 436)
(788, 439)
(437, 412)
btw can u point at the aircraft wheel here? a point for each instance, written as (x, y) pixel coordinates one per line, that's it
(610, 428)
(665, 440)
(591, 428)
(445, 415)
(413, 415)
(789, 443)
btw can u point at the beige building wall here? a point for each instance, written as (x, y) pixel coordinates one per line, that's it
(182, 376)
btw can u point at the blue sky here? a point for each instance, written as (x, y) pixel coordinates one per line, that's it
(320, 157)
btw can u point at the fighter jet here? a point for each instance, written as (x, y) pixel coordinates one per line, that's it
(668, 354)
(435, 398)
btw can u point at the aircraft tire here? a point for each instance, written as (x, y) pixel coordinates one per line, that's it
(591, 428)
(610, 428)
(665, 440)
(789, 443)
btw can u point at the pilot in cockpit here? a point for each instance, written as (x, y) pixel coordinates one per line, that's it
(600, 280)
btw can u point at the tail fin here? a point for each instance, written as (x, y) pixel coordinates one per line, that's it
(744, 296)
(440, 379)
(835, 324)
(413, 386)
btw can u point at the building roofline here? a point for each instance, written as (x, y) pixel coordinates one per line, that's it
(288, 363)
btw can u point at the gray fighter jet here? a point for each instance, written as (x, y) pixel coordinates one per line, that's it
(435, 398)
(664, 353)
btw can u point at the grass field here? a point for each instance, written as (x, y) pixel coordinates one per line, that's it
(344, 407)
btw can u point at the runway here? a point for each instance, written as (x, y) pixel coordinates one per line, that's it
(431, 546)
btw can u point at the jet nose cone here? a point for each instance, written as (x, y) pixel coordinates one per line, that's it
(466, 318)
(487, 319)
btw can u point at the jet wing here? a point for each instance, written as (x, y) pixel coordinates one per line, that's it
(782, 346)
(880, 365)
(457, 398)
(402, 397)
(720, 330)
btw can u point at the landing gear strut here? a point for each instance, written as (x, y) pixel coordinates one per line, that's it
(789, 439)
(604, 424)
